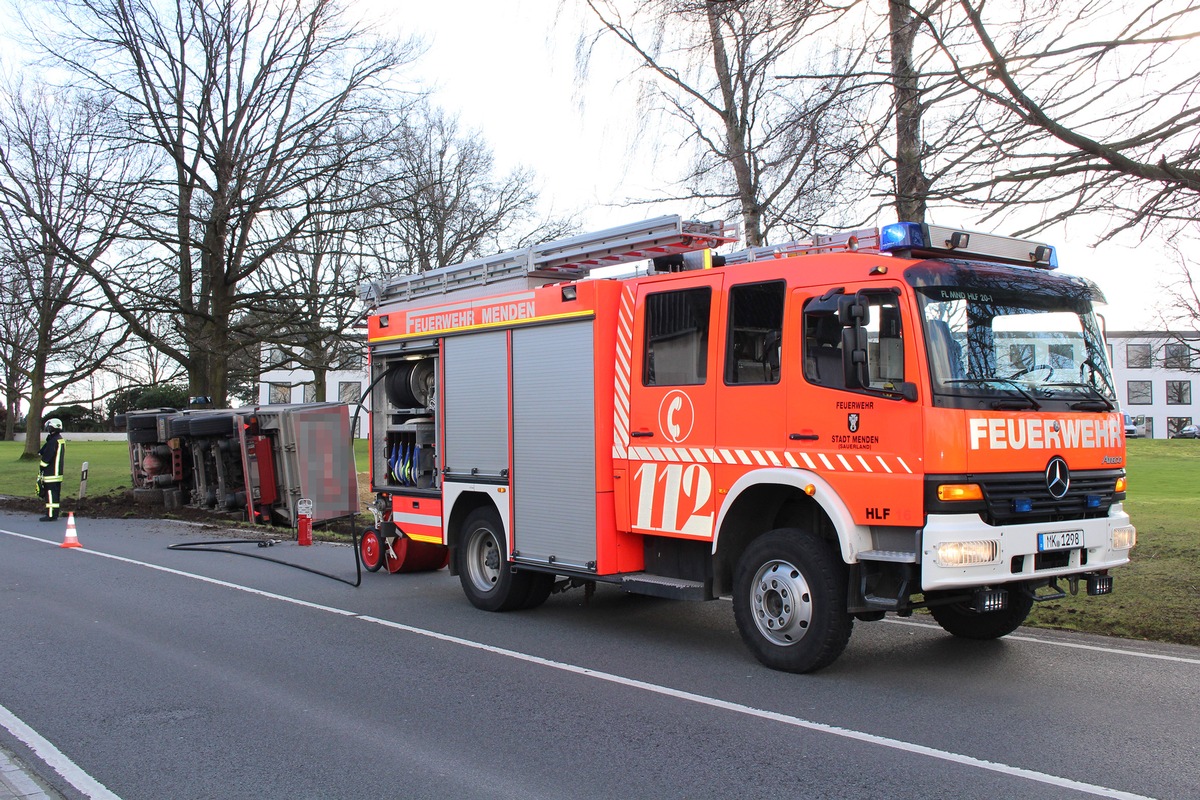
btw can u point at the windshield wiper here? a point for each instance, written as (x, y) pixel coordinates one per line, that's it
(1090, 405)
(1001, 405)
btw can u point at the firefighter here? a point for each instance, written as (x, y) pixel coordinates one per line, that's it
(50, 477)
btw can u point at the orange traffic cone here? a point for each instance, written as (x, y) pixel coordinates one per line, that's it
(71, 539)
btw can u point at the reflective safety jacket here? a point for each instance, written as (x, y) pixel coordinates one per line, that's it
(54, 458)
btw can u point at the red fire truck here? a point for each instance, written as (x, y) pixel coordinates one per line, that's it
(880, 421)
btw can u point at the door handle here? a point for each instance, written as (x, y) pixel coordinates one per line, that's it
(808, 437)
(641, 434)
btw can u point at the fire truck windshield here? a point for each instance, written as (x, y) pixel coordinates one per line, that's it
(1007, 339)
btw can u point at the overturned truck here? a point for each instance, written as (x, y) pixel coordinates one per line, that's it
(255, 462)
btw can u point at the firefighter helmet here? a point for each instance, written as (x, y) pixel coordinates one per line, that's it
(53, 424)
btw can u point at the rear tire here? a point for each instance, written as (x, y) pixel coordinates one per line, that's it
(541, 584)
(213, 425)
(960, 620)
(481, 559)
(789, 601)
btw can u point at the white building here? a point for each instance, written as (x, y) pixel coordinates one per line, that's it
(286, 385)
(1154, 372)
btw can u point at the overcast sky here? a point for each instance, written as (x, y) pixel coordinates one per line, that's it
(507, 68)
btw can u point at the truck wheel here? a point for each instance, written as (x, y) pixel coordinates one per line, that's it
(965, 622)
(789, 601)
(371, 550)
(483, 569)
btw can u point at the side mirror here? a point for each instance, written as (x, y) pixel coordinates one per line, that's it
(854, 311)
(854, 357)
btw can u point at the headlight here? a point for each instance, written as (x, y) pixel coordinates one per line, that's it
(966, 554)
(1124, 537)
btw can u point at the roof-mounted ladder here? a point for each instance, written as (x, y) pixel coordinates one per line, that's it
(564, 259)
(865, 240)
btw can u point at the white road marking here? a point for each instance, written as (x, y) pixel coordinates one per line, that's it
(666, 691)
(71, 772)
(1016, 637)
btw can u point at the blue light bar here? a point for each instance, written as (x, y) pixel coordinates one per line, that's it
(902, 236)
(907, 239)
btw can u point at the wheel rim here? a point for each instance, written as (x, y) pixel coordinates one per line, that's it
(483, 559)
(370, 549)
(781, 603)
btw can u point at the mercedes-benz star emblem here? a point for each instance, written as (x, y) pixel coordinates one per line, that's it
(1058, 478)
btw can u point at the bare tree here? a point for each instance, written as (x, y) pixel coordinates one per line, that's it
(778, 152)
(452, 205)
(58, 211)
(250, 107)
(1179, 312)
(445, 205)
(17, 342)
(1087, 108)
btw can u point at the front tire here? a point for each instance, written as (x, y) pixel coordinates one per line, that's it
(789, 601)
(481, 559)
(960, 620)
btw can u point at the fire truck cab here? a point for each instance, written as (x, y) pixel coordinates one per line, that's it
(872, 422)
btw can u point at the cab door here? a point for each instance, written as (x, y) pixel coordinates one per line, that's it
(672, 416)
(865, 440)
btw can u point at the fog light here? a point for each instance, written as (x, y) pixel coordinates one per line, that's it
(986, 600)
(1124, 537)
(966, 554)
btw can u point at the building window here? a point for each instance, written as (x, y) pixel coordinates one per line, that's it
(1140, 393)
(1111, 360)
(1179, 393)
(1177, 356)
(1137, 356)
(310, 393)
(1176, 424)
(755, 333)
(280, 393)
(676, 338)
(349, 392)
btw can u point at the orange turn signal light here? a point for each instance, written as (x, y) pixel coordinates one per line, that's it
(949, 492)
(1121, 483)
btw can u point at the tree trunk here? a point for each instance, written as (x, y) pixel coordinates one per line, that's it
(735, 134)
(12, 400)
(37, 401)
(912, 187)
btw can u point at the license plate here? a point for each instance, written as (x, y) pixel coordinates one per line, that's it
(1059, 540)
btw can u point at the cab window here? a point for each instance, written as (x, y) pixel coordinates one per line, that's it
(755, 333)
(675, 349)
(824, 342)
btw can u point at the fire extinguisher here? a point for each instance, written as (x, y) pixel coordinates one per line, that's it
(304, 522)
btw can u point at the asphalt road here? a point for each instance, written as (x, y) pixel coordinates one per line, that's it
(173, 674)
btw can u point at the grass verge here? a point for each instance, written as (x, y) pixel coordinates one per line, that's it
(1157, 596)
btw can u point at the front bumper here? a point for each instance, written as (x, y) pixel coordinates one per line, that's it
(1018, 557)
